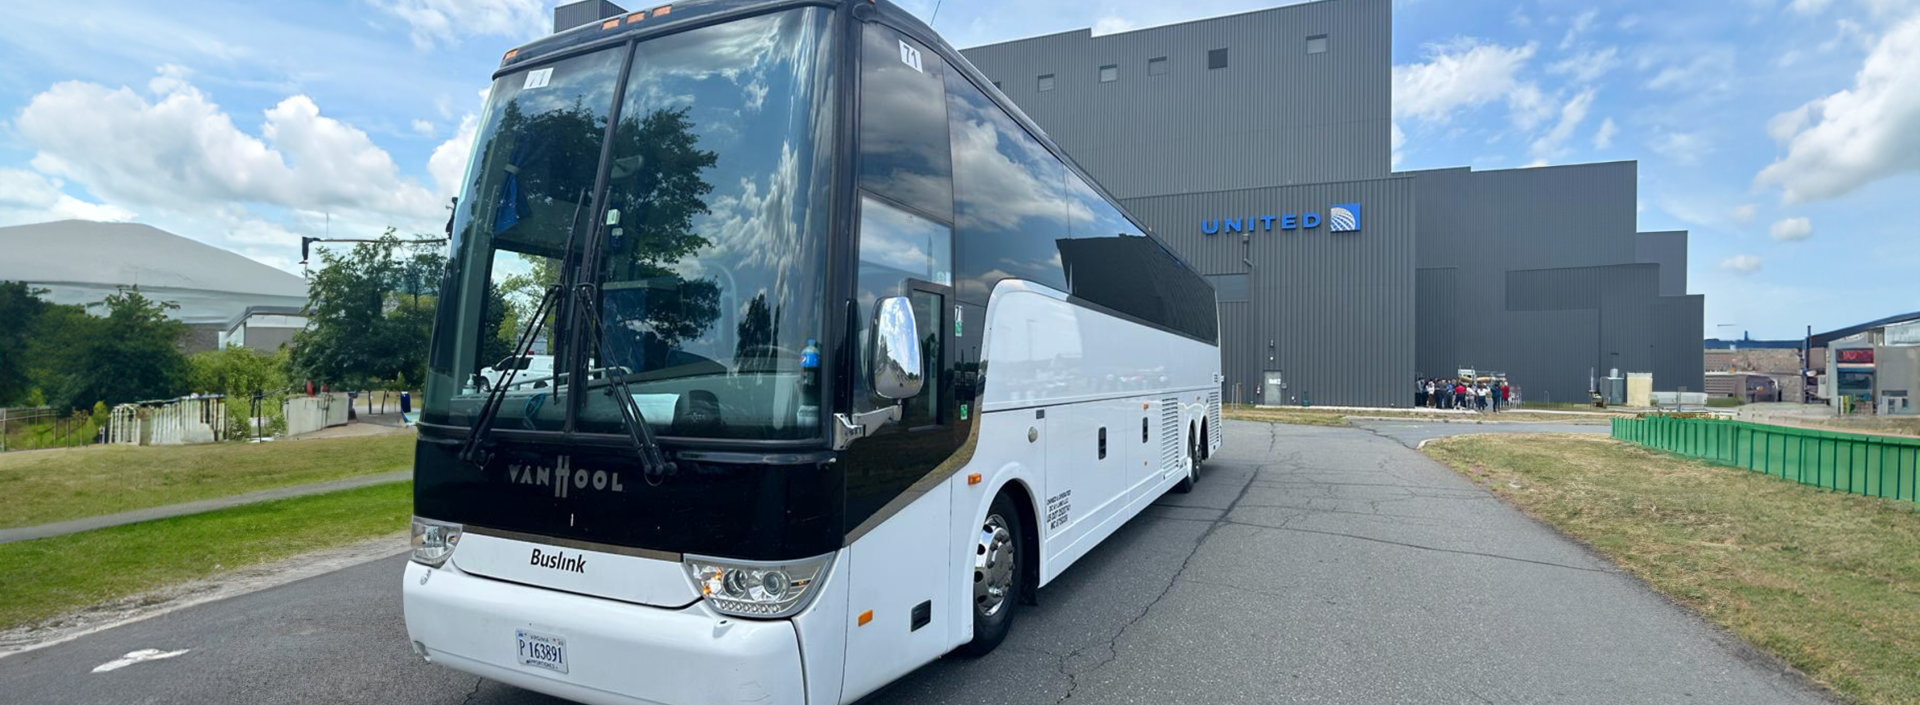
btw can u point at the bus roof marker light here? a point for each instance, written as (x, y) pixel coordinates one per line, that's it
(636, 17)
(610, 24)
(662, 10)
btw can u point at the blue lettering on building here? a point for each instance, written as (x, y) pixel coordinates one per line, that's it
(1341, 218)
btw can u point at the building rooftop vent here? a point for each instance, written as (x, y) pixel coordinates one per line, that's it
(572, 15)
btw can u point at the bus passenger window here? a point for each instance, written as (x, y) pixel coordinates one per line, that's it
(903, 124)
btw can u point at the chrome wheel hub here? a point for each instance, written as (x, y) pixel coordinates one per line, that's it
(993, 562)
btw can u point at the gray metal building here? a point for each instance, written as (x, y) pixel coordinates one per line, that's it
(1235, 138)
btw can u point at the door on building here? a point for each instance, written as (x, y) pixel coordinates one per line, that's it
(1275, 391)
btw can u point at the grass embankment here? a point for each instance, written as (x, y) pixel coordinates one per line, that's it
(57, 485)
(44, 578)
(1828, 582)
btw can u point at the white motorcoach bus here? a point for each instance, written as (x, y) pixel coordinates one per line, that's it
(849, 360)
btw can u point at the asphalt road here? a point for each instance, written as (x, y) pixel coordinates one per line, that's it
(1312, 564)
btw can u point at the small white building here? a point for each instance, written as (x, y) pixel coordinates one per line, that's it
(264, 328)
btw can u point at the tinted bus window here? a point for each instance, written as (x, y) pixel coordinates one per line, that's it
(1009, 193)
(903, 124)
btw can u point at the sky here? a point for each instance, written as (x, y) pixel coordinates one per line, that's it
(1784, 134)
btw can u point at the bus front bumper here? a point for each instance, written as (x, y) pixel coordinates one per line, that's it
(616, 652)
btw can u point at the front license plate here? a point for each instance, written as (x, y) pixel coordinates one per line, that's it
(542, 650)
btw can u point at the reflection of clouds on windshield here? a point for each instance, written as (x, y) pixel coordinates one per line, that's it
(1003, 169)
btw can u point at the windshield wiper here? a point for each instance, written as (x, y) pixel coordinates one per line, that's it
(483, 421)
(489, 409)
(654, 467)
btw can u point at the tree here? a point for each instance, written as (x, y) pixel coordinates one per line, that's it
(131, 354)
(371, 313)
(237, 372)
(20, 311)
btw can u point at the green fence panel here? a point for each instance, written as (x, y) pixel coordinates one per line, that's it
(1874, 466)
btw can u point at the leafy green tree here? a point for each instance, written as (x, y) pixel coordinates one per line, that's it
(237, 372)
(371, 310)
(130, 354)
(20, 311)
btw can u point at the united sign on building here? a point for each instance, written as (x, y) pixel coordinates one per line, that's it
(1537, 273)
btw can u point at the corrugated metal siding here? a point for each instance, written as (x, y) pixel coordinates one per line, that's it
(1435, 310)
(1550, 280)
(1333, 312)
(1669, 250)
(1274, 116)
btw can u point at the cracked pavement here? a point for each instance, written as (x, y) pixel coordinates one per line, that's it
(1311, 564)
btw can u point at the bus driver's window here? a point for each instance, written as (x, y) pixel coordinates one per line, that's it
(897, 246)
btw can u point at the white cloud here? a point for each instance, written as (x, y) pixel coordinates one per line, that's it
(1463, 74)
(1744, 213)
(1682, 147)
(1707, 70)
(1587, 66)
(1741, 264)
(1792, 229)
(448, 165)
(1397, 139)
(447, 21)
(1577, 27)
(1603, 137)
(1809, 7)
(1112, 24)
(1572, 114)
(423, 128)
(27, 197)
(181, 151)
(1856, 136)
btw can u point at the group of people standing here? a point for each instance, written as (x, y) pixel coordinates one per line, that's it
(1461, 394)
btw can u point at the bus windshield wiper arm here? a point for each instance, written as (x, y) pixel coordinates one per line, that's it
(654, 466)
(489, 409)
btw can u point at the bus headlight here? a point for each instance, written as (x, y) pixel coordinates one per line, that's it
(434, 541)
(757, 588)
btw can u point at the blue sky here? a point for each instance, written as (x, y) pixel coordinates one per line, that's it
(1785, 134)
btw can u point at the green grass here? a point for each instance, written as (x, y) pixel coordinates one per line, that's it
(1722, 402)
(56, 485)
(1828, 582)
(44, 578)
(1303, 416)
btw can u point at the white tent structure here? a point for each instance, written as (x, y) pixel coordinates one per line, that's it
(81, 262)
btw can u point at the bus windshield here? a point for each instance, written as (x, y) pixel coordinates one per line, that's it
(707, 236)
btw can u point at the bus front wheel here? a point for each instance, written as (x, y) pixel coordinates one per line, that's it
(997, 575)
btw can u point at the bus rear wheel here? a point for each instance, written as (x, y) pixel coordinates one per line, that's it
(997, 576)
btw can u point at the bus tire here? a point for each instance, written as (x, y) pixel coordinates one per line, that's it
(1185, 484)
(998, 575)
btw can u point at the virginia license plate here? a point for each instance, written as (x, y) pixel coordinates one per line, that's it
(541, 650)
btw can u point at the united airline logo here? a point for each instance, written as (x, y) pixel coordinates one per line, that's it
(564, 478)
(1344, 218)
(1340, 218)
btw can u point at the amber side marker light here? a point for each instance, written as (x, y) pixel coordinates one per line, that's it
(866, 617)
(973, 478)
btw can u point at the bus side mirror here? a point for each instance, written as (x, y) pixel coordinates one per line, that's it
(896, 350)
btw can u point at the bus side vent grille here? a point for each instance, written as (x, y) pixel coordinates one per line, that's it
(1213, 417)
(1170, 435)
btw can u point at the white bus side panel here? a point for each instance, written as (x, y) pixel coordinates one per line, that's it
(900, 564)
(1089, 370)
